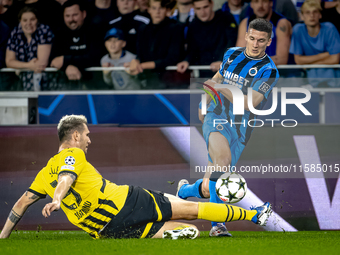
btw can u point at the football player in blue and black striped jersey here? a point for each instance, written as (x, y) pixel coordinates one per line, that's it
(248, 67)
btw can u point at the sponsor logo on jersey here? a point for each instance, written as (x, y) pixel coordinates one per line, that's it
(229, 61)
(235, 80)
(75, 40)
(69, 160)
(264, 87)
(68, 167)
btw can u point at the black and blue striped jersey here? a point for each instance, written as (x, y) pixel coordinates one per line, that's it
(240, 70)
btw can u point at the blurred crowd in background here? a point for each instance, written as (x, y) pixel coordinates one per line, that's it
(143, 37)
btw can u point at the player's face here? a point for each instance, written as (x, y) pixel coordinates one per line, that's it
(157, 12)
(256, 43)
(114, 45)
(28, 22)
(262, 8)
(311, 16)
(84, 140)
(204, 10)
(74, 17)
(126, 6)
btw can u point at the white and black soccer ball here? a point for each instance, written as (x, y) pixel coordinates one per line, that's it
(231, 187)
(69, 160)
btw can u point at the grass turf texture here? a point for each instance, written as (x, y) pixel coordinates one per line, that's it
(78, 242)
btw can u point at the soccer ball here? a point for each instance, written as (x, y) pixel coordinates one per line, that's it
(231, 187)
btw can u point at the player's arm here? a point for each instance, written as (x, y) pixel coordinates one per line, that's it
(65, 180)
(257, 97)
(283, 33)
(241, 35)
(17, 212)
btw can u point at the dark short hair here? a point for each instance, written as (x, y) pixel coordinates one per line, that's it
(28, 9)
(169, 4)
(70, 3)
(70, 123)
(193, 1)
(261, 25)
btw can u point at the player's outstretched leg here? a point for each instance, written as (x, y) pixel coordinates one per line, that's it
(182, 209)
(185, 190)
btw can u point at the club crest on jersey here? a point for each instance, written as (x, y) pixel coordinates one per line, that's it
(253, 71)
(69, 160)
(219, 127)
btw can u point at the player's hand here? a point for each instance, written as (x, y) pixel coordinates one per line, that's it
(73, 73)
(200, 115)
(50, 207)
(215, 66)
(57, 62)
(182, 66)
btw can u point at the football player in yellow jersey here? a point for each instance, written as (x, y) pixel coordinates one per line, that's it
(106, 210)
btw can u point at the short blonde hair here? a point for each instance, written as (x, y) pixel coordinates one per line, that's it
(70, 123)
(311, 3)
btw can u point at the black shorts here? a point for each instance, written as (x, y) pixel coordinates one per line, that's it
(143, 215)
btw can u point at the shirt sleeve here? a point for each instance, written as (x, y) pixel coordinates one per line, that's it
(73, 162)
(333, 45)
(37, 186)
(266, 83)
(225, 59)
(45, 35)
(296, 45)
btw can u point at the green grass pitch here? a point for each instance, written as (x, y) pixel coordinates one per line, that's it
(78, 242)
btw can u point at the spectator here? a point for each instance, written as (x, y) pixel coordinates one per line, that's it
(287, 9)
(114, 44)
(29, 47)
(185, 12)
(143, 6)
(238, 8)
(129, 21)
(282, 30)
(76, 46)
(49, 12)
(332, 15)
(316, 43)
(324, 4)
(9, 14)
(101, 12)
(4, 35)
(160, 44)
(210, 34)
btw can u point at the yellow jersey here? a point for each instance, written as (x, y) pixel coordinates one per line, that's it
(92, 201)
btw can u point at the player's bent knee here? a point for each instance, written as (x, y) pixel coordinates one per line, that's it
(205, 189)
